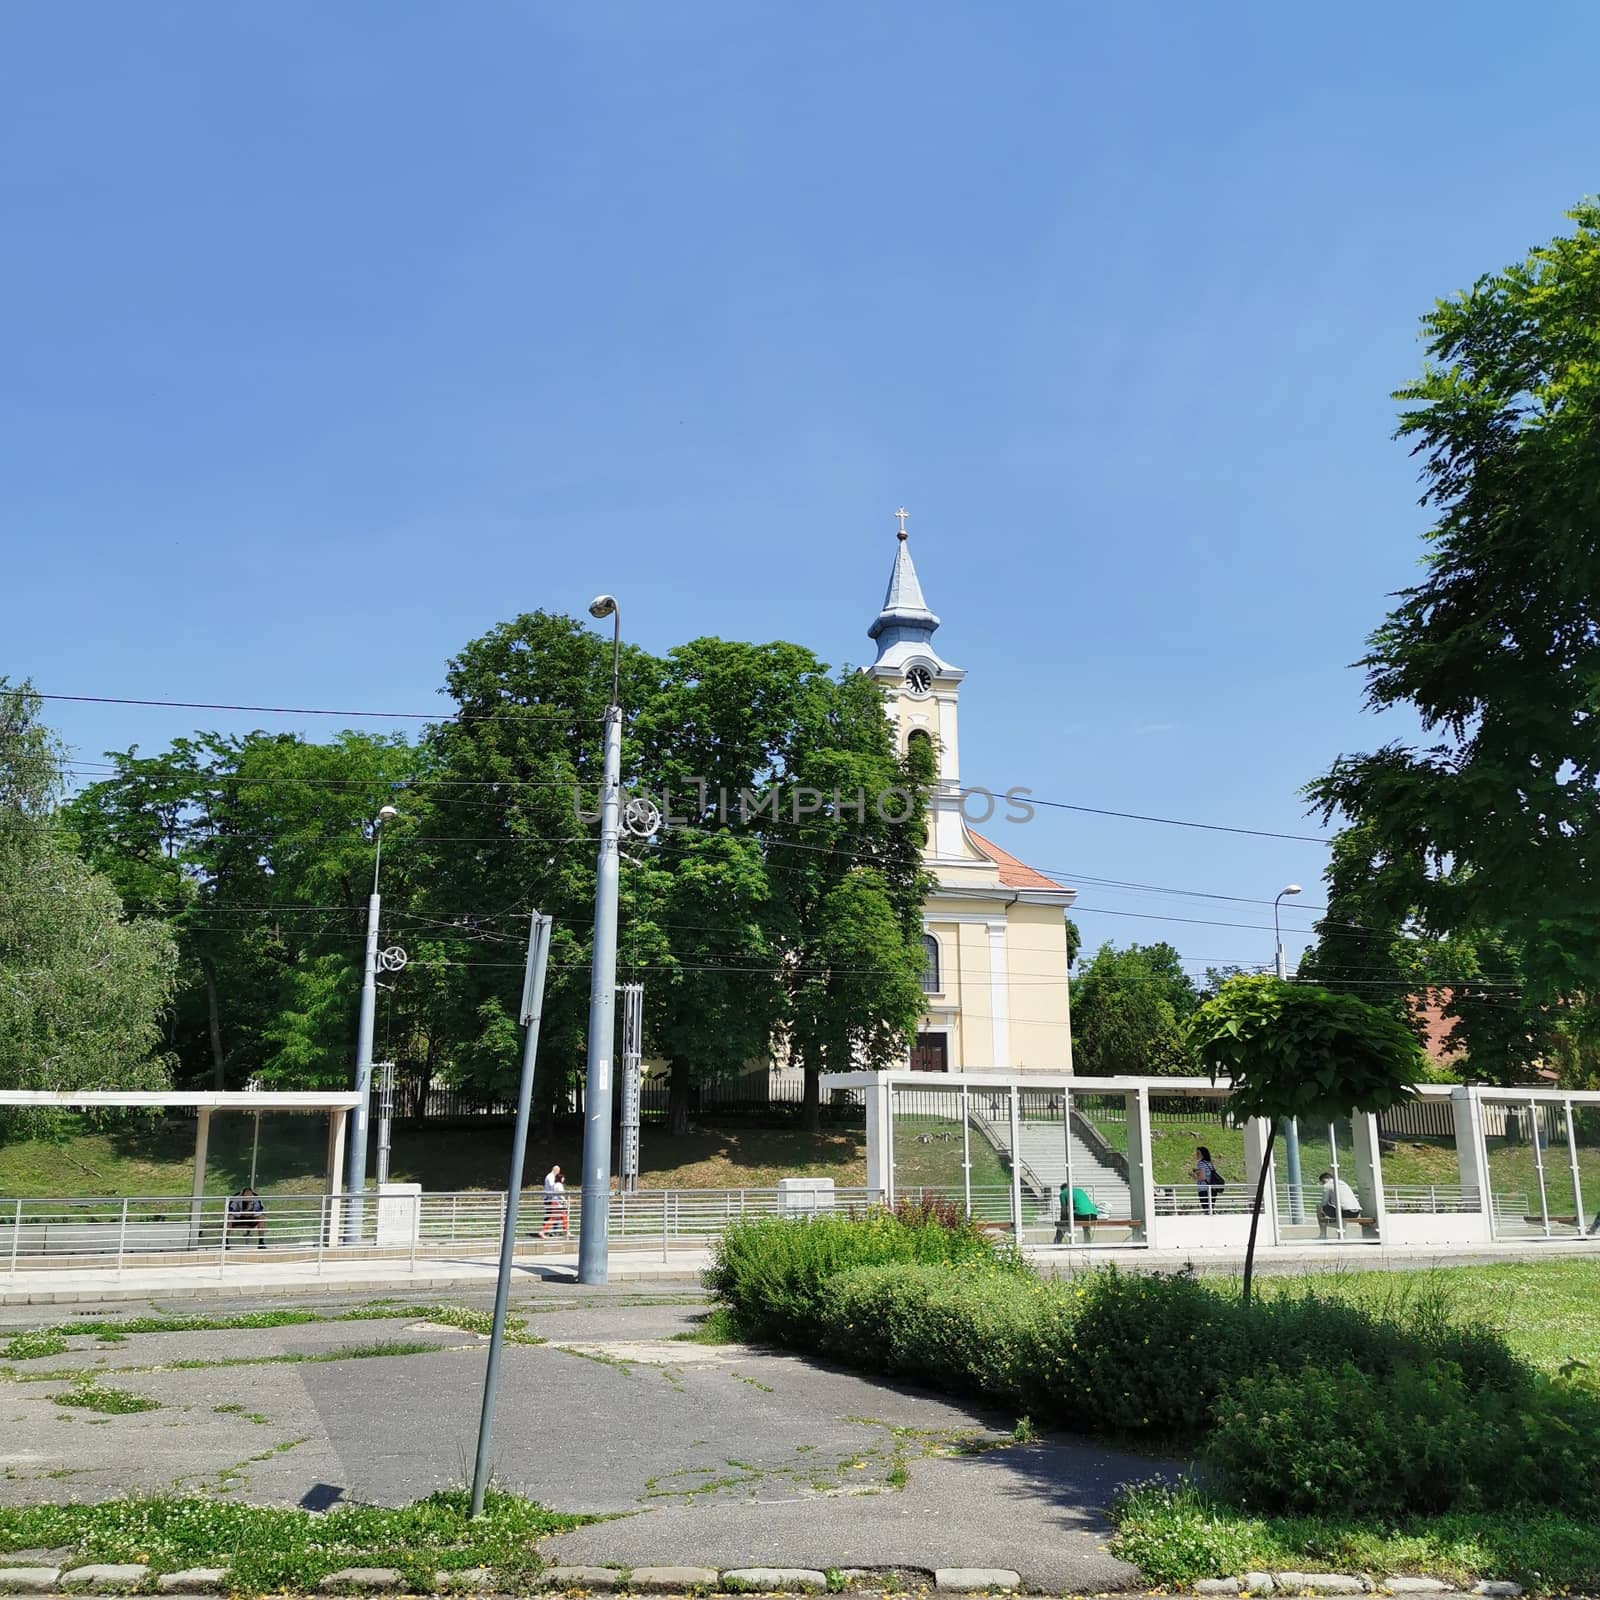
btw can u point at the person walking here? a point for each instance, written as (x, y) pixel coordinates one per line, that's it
(1208, 1181)
(555, 1203)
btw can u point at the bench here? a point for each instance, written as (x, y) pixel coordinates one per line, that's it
(1367, 1225)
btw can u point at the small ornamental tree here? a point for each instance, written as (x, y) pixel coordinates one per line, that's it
(1294, 1050)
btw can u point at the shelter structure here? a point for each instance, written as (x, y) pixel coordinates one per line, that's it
(1057, 1159)
(336, 1105)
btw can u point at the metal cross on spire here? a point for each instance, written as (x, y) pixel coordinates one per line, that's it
(902, 514)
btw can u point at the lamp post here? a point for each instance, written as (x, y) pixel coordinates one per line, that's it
(356, 1178)
(594, 1223)
(1291, 1129)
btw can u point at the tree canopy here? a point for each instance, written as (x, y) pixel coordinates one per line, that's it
(1298, 1050)
(1128, 1011)
(1487, 832)
(772, 907)
(82, 990)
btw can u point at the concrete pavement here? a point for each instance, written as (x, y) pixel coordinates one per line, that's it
(718, 1456)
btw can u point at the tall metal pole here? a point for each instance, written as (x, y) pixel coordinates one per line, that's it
(532, 1011)
(1291, 1129)
(595, 1220)
(356, 1180)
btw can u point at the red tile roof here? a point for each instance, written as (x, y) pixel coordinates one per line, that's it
(1014, 874)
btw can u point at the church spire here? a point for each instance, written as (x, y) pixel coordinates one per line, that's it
(905, 617)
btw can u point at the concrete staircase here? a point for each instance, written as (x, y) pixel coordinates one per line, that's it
(1042, 1160)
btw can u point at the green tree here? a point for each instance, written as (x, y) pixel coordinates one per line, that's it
(1297, 1050)
(1128, 1011)
(81, 989)
(1371, 942)
(745, 920)
(255, 851)
(1495, 651)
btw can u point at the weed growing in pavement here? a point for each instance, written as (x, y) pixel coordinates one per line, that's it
(31, 1346)
(92, 1395)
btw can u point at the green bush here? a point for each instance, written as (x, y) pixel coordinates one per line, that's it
(1155, 1353)
(770, 1272)
(1299, 1403)
(975, 1327)
(1417, 1438)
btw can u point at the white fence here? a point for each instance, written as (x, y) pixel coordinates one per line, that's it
(173, 1230)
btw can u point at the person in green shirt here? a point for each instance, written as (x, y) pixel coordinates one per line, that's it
(1084, 1210)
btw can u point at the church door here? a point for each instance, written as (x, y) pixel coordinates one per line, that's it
(928, 1053)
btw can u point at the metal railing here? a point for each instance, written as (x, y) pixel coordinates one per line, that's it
(138, 1230)
(1435, 1199)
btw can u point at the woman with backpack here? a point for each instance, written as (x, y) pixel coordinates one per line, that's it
(1208, 1181)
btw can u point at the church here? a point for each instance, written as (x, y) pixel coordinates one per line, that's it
(994, 929)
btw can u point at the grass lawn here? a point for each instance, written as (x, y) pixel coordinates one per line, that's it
(155, 1158)
(1547, 1311)
(927, 1154)
(1178, 1535)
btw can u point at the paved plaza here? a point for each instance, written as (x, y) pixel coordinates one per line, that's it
(717, 1455)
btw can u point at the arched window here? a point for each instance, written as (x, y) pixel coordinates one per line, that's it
(930, 964)
(919, 737)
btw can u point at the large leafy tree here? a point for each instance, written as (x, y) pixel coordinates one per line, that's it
(734, 916)
(82, 990)
(1128, 1011)
(1297, 1050)
(256, 851)
(1491, 826)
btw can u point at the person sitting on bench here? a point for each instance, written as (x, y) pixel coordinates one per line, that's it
(1084, 1210)
(1345, 1203)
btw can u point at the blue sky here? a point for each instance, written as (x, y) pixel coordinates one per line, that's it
(336, 334)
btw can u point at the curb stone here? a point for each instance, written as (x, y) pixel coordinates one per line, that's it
(193, 1580)
(362, 1578)
(1508, 1591)
(1415, 1586)
(108, 1577)
(672, 1580)
(471, 1579)
(970, 1580)
(1218, 1586)
(579, 1578)
(776, 1577)
(1258, 1582)
(29, 1580)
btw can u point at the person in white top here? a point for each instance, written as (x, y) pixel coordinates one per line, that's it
(1338, 1199)
(555, 1203)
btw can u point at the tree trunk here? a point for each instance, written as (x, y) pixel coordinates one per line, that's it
(1255, 1217)
(811, 1105)
(214, 1024)
(678, 1100)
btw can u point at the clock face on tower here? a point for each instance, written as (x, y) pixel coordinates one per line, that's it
(919, 680)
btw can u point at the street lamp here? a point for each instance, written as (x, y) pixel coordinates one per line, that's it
(594, 1218)
(1291, 1129)
(1277, 937)
(356, 1180)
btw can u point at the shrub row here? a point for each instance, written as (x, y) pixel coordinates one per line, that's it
(1299, 1403)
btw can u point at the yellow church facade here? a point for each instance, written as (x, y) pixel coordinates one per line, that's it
(994, 929)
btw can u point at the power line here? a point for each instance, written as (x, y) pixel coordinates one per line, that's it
(300, 711)
(1178, 822)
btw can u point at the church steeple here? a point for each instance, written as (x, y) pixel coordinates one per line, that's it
(905, 618)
